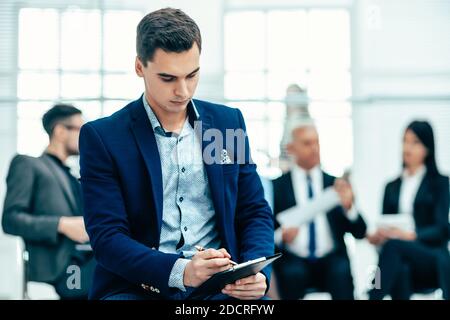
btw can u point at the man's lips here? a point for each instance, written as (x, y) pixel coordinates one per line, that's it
(179, 102)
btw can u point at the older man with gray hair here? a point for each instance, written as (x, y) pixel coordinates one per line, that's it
(314, 254)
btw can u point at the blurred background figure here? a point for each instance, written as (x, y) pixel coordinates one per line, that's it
(315, 254)
(411, 260)
(296, 111)
(43, 205)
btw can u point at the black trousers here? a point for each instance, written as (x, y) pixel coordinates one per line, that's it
(409, 266)
(75, 282)
(331, 273)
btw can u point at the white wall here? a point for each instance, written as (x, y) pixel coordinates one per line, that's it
(9, 273)
(405, 56)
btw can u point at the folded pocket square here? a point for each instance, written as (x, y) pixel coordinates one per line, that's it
(225, 159)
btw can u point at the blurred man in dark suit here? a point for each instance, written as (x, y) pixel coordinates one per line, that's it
(43, 205)
(314, 255)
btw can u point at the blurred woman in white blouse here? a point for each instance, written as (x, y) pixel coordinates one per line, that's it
(413, 259)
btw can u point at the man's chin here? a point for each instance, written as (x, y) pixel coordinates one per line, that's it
(176, 107)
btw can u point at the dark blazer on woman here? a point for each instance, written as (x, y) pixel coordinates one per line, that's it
(431, 208)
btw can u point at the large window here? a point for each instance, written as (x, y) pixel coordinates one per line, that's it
(84, 57)
(265, 51)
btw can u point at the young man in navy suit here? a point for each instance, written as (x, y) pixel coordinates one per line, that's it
(168, 173)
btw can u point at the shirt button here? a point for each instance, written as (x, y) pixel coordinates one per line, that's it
(181, 199)
(185, 228)
(183, 169)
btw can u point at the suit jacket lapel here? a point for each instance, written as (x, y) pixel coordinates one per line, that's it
(214, 172)
(62, 180)
(396, 196)
(290, 194)
(421, 191)
(146, 141)
(327, 181)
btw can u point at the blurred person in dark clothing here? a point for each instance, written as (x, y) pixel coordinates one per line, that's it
(43, 205)
(315, 254)
(410, 260)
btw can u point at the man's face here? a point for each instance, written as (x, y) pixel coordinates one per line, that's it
(305, 147)
(170, 79)
(70, 134)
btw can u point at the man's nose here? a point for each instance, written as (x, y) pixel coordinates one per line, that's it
(181, 89)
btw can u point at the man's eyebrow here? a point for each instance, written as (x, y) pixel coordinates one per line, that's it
(194, 71)
(166, 75)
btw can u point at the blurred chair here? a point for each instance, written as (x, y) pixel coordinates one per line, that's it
(313, 293)
(32, 290)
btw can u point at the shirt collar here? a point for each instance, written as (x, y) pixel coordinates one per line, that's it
(192, 112)
(417, 175)
(57, 160)
(314, 173)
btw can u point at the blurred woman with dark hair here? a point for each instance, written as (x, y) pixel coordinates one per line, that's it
(411, 260)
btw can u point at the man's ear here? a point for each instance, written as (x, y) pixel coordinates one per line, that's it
(58, 132)
(290, 148)
(138, 66)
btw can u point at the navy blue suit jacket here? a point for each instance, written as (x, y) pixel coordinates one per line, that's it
(123, 198)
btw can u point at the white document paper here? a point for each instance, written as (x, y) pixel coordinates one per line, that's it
(299, 215)
(403, 221)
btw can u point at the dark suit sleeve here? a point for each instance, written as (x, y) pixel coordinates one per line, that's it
(357, 227)
(107, 223)
(254, 219)
(438, 232)
(18, 216)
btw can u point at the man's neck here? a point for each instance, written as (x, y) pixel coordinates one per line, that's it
(58, 151)
(170, 121)
(307, 170)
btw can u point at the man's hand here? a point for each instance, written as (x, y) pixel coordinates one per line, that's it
(204, 264)
(383, 234)
(345, 192)
(73, 228)
(250, 288)
(289, 234)
(376, 238)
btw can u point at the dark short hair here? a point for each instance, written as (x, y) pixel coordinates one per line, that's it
(58, 114)
(168, 29)
(424, 132)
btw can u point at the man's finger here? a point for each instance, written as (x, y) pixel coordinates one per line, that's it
(211, 271)
(225, 252)
(210, 254)
(257, 278)
(217, 263)
(257, 286)
(244, 294)
(249, 279)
